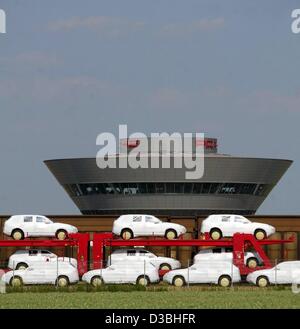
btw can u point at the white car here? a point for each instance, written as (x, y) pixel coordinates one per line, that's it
(134, 273)
(141, 255)
(22, 259)
(283, 273)
(61, 274)
(221, 273)
(21, 226)
(251, 259)
(219, 226)
(130, 226)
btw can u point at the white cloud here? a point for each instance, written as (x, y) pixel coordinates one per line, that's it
(105, 25)
(201, 25)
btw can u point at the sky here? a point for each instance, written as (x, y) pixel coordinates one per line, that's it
(72, 69)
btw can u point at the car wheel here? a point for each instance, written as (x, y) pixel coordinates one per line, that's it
(96, 281)
(143, 280)
(171, 234)
(62, 281)
(126, 234)
(165, 267)
(262, 281)
(224, 281)
(215, 234)
(178, 281)
(17, 234)
(16, 281)
(260, 234)
(21, 266)
(252, 262)
(61, 234)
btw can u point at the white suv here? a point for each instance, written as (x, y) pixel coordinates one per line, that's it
(130, 226)
(61, 274)
(22, 259)
(219, 226)
(141, 255)
(135, 273)
(21, 226)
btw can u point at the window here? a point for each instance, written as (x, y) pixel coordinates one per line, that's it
(78, 190)
(228, 250)
(137, 219)
(131, 252)
(45, 252)
(225, 218)
(217, 250)
(40, 219)
(143, 252)
(33, 252)
(153, 220)
(27, 219)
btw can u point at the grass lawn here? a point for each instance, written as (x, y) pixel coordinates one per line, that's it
(193, 297)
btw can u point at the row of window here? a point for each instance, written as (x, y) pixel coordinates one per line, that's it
(166, 188)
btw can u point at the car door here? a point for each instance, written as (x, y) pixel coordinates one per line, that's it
(197, 273)
(153, 226)
(282, 274)
(41, 226)
(33, 256)
(138, 224)
(113, 274)
(28, 226)
(34, 275)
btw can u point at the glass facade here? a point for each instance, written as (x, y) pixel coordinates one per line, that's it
(166, 188)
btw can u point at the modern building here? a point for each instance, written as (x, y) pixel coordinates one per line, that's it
(230, 184)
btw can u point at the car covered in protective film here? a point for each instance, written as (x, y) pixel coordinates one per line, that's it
(22, 226)
(61, 274)
(140, 255)
(130, 226)
(221, 273)
(219, 226)
(282, 273)
(22, 259)
(141, 273)
(251, 259)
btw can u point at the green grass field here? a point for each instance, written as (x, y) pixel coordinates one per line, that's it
(193, 297)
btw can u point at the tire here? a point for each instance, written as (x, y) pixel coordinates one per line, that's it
(178, 281)
(61, 234)
(62, 281)
(126, 234)
(224, 281)
(215, 234)
(171, 234)
(96, 281)
(260, 234)
(165, 267)
(17, 234)
(143, 280)
(262, 281)
(21, 266)
(16, 281)
(252, 262)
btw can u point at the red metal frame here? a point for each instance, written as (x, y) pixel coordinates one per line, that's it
(239, 243)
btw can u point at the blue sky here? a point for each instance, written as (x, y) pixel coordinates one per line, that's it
(72, 69)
